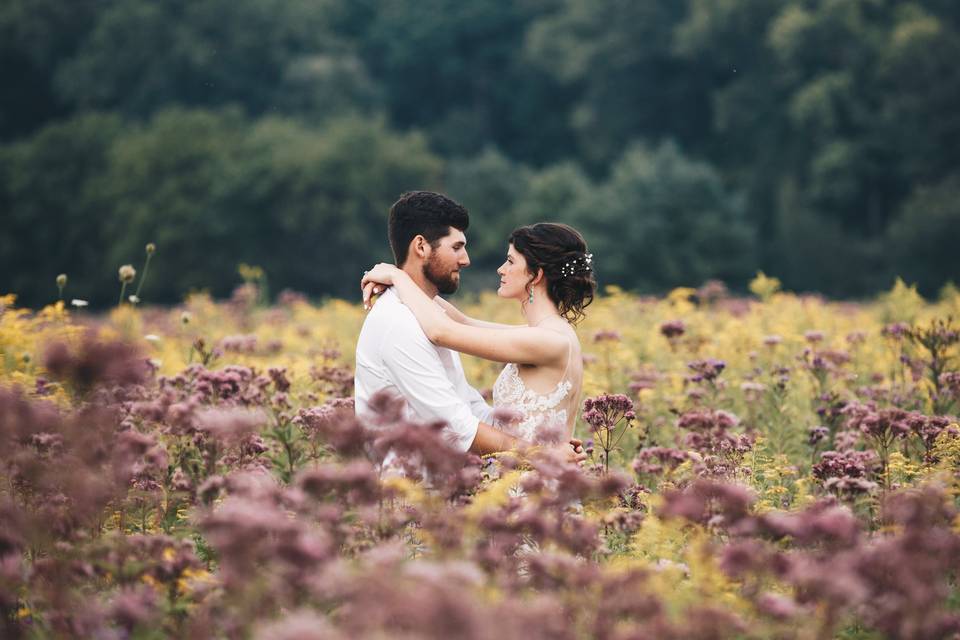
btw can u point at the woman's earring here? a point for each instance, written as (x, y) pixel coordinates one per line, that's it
(530, 299)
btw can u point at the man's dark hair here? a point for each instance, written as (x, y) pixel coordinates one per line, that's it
(423, 213)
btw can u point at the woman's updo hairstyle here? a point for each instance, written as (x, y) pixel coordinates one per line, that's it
(561, 252)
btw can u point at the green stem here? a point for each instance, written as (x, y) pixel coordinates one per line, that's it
(123, 288)
(884, 469)
(143, 276)
(623, 432)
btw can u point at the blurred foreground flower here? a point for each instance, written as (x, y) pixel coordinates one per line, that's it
(673, 329)
(127, 273)
(96, 362)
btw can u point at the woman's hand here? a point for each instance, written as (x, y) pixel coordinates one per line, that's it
(571, 452)
(377, 280)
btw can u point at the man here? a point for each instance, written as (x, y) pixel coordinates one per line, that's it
(426, 232)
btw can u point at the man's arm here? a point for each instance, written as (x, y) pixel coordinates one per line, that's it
(478, 406)
(416, 370)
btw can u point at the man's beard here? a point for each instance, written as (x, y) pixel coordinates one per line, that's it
(441, 277)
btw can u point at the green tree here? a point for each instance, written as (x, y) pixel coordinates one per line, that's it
(489, 185)
(320, 197)
(308, 205)
(35, 35)
(833, 115)
(142, 55)
(54, 217)
(322, 86)
(168, 182)
(926, 234)
(662, 220)
(553, 194)
(617, 58)
(834, 122)
(920, 102)
(457, 70)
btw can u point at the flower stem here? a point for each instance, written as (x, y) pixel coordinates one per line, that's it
(143, 276)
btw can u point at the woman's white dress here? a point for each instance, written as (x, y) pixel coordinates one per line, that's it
(541, 416)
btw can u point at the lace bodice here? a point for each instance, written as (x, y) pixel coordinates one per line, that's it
(538, 412)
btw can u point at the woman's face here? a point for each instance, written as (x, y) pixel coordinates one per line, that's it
(513, 275)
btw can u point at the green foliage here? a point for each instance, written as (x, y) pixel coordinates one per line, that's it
(212, 190)
(166, 183)
(35, 37)
(819, 138)
(141, 55)
(322, 197)
(619, 57)
(458, 70)
(663, 217)
(489, 185)
(925, 236)
(53, 215)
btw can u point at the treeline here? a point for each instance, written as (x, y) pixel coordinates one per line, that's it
(818, 140)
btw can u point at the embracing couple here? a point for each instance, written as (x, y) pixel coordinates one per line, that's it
(411, 339)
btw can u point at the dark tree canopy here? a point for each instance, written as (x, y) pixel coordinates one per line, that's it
(688, 139)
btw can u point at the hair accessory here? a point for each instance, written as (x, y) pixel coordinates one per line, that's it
(582, 264)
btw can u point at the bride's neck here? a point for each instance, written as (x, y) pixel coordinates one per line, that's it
(539, 310)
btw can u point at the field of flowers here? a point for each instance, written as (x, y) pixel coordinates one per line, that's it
(776, 466)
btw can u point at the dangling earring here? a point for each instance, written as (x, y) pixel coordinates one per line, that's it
(530, 299)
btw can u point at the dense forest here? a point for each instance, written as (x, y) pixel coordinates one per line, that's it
(818, 140)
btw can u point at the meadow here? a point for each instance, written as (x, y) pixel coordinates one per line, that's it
(768, 466)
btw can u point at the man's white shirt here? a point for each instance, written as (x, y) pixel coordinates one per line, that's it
(394, 354)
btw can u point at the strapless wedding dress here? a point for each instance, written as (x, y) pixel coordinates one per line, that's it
(540, 415)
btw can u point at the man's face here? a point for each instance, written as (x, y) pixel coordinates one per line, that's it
(442, 267)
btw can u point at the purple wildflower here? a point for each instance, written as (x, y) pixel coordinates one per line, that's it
(673, 329)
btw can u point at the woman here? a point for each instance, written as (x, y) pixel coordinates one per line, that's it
(549, 272)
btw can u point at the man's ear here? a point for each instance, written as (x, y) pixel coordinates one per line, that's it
(420, 247)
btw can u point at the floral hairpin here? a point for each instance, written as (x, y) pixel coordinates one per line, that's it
(577, 265)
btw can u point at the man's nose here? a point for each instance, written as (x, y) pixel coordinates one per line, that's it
(464, 259)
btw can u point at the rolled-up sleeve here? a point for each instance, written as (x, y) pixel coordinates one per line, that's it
(418, 374)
